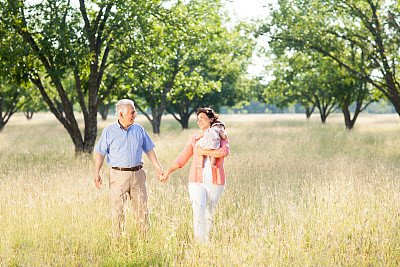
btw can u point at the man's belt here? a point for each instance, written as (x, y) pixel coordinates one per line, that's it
(130, 169)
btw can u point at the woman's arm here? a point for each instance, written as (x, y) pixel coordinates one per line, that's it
(208, 152)
(180, 161)
(223, 151)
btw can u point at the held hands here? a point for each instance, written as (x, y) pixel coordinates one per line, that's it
(174, 166)
(160, 173)
(163, 178)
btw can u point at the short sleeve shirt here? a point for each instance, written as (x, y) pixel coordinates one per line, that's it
(124, 148)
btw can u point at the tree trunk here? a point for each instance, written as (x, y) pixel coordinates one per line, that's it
(99, 43)
(349, 122)
(321, 108)
(185, 120)
(28, 114)
(347, 117)
(91, 119)
(309, 111)
(8, 112)
(156, 127)
(323, 117)
(156, 121)
(66, 117)
(2, 123)
(103, 110)
(90, 133)
(395, 100)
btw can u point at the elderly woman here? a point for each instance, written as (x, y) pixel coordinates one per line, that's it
(206, 184)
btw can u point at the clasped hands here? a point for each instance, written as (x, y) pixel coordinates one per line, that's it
(160, 173)
(163, 177)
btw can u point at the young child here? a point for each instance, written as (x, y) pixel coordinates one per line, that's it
(212, 137)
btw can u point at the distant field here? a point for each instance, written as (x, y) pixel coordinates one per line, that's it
(298, 193)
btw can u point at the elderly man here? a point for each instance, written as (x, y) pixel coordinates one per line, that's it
(124, 142)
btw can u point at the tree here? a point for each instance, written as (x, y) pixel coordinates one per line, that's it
(367, 26)
(216, 77)
(35, 104)
(352, 90)
(183, 60)
(163, 51)
(316, 81)
(57, 38)
(308, 79)
(12, 98)
(112, 99)
(188, 95)
(282, 91)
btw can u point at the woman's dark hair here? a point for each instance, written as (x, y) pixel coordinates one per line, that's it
(210, 113)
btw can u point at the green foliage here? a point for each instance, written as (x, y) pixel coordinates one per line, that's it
(35, 104)
(361, 36)
(219, 69)
(335, 32)
(234, 53)
(185, 58)
(72, 52)
(308, 79)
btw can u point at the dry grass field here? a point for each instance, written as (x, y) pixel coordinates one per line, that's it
(298, 193)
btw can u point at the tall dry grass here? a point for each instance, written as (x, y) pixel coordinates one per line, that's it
(298, 193)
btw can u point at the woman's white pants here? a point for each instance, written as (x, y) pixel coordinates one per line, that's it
(204, 197)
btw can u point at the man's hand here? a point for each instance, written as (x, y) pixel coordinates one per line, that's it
(160, 173)
(97, 166)
(154, 160)
(98, 181)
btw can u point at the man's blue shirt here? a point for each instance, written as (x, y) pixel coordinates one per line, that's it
(124, 148)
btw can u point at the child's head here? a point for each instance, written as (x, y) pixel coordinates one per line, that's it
(219, 124)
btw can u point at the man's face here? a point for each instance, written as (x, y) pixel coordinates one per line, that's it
(129, 117)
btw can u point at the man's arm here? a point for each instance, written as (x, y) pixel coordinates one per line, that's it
(97, 166)
(151, 155)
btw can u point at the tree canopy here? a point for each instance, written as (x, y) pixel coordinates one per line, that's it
(186, 60)
(56, 40)
(338, 29)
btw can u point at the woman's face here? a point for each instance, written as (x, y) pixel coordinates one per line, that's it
(203, 121)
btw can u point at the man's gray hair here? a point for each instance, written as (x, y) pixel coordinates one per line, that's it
(121, 106)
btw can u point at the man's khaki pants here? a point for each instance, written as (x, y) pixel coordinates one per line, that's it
(122, 185)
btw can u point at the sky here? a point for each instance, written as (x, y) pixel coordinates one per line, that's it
(249, 8)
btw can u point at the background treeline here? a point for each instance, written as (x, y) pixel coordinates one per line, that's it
(176, 56)
(256, 107)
